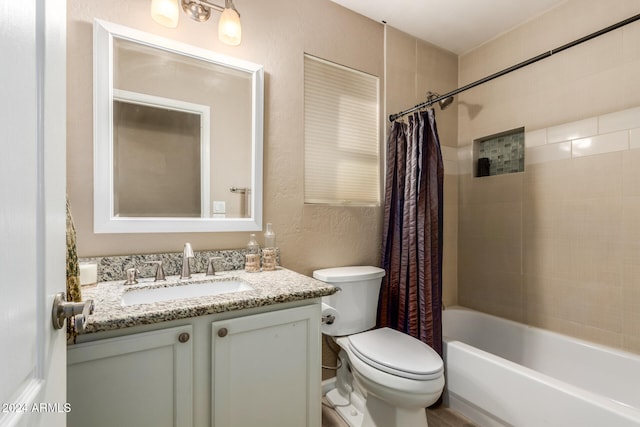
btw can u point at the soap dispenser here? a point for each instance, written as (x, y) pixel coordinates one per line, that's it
(252, 257)
(269, 251)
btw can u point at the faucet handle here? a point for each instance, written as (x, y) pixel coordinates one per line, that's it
(211, 269)
(159, 270)
(132, 276)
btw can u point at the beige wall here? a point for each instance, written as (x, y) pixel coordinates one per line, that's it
(555, 246)
(412, 68)
(275, 34)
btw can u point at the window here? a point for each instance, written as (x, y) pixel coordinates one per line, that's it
(341, 135)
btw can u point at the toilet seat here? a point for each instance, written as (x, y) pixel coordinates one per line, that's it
(396, 353)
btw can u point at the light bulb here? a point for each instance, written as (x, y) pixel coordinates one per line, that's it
(165, 12)
(229, 28)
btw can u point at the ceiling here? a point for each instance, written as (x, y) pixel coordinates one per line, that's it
(454, 25)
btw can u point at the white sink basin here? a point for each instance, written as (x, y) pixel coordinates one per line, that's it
(180, 291)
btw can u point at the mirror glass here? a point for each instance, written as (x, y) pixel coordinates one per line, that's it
(178, 136)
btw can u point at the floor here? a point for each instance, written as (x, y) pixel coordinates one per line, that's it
(439, 417)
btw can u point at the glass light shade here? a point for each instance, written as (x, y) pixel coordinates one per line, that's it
(165, 12)
(229, 29)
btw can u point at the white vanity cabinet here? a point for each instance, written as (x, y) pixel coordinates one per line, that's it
(245, 368)
(266, 370)
(144, 379)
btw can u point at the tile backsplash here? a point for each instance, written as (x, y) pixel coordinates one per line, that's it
(114, 267)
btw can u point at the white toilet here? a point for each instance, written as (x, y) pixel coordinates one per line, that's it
(386, 378)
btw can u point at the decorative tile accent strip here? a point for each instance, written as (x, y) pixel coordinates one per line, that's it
(111, 268)
(550, 144)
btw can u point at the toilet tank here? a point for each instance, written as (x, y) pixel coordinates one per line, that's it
(357, 302)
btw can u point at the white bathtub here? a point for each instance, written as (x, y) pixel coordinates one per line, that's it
(503, 373)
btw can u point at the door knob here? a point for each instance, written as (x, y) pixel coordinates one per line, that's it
(63, 310)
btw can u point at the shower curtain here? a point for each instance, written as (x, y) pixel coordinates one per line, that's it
(411, 293)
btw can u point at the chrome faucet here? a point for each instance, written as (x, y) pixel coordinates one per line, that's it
(186, 254)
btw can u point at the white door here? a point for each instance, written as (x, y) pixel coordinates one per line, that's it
(32, 211)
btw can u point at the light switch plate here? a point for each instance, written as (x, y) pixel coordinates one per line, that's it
(219, 207)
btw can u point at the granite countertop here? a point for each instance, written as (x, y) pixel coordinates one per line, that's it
(269, 287)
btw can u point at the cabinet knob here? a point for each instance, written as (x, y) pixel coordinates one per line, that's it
(222, 332)
(183, 337)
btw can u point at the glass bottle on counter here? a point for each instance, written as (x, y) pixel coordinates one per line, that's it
(252, 257)
(269, 252)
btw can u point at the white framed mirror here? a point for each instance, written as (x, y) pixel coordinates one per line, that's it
(178, 136)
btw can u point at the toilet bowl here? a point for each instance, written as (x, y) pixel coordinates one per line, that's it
(387, 378)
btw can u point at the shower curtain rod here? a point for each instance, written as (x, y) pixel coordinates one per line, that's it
(530, 61)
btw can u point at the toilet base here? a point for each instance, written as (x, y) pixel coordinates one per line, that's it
(347, 411)
(374, 412)
(379, 413)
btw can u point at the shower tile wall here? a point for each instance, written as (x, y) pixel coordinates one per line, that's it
(505, 153)
(557, 246)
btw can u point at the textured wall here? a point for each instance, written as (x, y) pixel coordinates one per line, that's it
(557, 245)
(275, 34)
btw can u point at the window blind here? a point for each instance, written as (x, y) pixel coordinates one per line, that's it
(341, 134)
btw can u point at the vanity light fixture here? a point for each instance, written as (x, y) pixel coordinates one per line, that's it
(166, 12)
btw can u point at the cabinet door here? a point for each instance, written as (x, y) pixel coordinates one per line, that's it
(137, 380)
(266, 369)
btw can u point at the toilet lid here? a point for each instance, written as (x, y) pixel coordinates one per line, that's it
(348, 274)
(397, 353)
